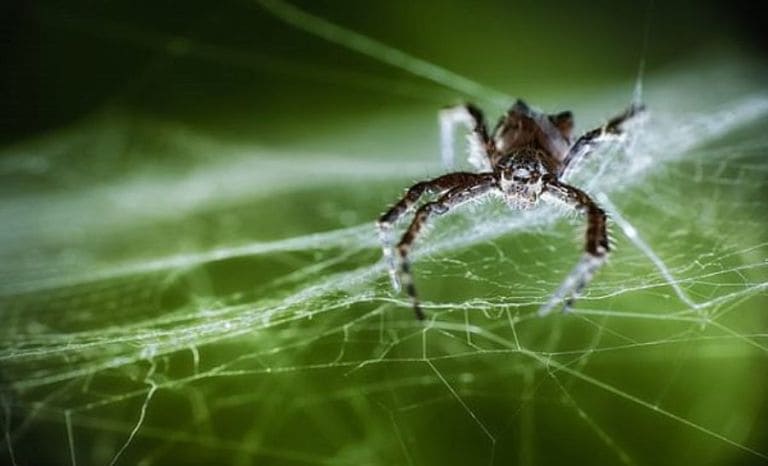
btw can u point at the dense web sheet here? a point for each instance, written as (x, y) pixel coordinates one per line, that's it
(111, 338)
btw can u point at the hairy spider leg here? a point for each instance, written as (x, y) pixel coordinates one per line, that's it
(596, 248)
(472, 188)
(481, 145)
(587, 142)
(437, 185)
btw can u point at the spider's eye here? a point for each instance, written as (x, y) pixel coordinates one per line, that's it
(521, 175)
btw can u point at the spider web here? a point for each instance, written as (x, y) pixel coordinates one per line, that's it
(119, 345)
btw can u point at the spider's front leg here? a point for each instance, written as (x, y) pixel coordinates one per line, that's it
(596, 249)
(473, 186)
(438, 185)
(481, 145)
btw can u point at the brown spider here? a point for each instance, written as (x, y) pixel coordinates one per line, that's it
(523, 161)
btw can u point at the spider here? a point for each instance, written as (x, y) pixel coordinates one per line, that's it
(523, 161)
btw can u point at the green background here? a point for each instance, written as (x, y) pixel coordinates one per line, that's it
(189, 272)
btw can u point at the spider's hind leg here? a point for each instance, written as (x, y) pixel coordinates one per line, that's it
(481, 145)
(588, 141)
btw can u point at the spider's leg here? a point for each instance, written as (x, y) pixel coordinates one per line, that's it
(480, 144)
(588, 141)
(390, 217)
(471, 188)
(596, 248)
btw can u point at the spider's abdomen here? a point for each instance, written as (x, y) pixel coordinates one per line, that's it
(523, 126)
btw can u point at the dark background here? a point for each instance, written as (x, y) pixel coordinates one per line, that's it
(218, 64)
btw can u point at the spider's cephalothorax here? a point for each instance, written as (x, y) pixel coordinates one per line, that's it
(521, 176)
(523, 160)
